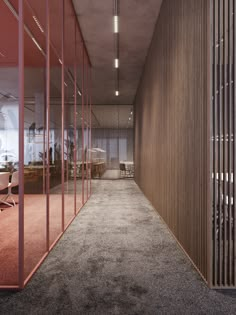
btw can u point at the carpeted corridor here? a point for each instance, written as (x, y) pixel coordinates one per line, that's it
(117, 257)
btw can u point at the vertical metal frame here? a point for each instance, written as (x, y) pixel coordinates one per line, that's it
(62, 116)
(21, 278)
(87, 128)
(21, 146)
(47, 122)
(90, 134)
(83, 91)
(75, 102)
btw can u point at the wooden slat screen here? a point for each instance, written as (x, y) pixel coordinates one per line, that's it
(172, 142)
(223, 143)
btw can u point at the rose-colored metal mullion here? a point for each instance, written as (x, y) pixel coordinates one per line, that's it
(75, 145)
(86, 126)
(62, 116)
(82, 123)
(90, 123)
(47, 124)
(21, 147)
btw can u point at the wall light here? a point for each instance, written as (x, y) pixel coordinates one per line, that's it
(117, 93)
(36, 43)
(116, 63)
(116, 26)
(38, 24)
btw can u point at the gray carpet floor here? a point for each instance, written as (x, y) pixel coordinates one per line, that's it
(117, 257)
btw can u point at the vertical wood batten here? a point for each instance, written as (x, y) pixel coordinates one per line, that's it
(234, 138)
(229, 79)
(172, 125)
(214, 115)
(219, 147)
(224, 131)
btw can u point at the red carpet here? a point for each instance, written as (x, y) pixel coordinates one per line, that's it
(35, 232)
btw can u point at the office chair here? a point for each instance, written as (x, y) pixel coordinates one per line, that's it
(4, 182)
(14, 182)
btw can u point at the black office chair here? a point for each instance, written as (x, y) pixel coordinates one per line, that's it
(122, 169)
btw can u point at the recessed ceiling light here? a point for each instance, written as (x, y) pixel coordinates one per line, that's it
(116, 26)
(38, 24)
(117, 93)
(129, 118)
(116, 63)
(131, 112)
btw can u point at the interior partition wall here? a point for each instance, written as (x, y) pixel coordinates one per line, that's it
(185, 130)
(223, 121)
(172, 133)
(45, 131)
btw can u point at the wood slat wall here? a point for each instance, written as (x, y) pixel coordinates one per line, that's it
(223, 43)
(172, 125)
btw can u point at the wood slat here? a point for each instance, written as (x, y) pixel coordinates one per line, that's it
(171, 125)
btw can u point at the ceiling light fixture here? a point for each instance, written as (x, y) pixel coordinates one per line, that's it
(116, 24)
(131, 113)
(36, 43)
(117, 93)
(116, 63)
(38, 24)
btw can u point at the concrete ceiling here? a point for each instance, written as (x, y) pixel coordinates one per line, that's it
(137, 20)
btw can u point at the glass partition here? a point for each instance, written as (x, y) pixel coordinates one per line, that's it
(51, 133)
(9, 147)
(112, 142)
(35, 154)
(55, 120)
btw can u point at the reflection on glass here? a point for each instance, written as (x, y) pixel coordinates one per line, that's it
(52, 132)
(112, 142)
(35, 154)
(9, 148)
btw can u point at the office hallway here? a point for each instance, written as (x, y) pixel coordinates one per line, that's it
(117, 257)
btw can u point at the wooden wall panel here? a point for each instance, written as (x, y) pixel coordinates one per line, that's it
(171, 125)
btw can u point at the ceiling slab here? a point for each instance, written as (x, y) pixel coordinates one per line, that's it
(137, 19)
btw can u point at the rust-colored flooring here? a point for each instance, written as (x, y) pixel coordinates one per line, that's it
(34, 232)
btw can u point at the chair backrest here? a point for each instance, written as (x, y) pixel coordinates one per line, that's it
(122, 166)
(15, 179)
(4, 180)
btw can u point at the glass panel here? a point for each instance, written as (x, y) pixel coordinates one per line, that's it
(9, 154)
(86, 133)
(112, 142)
(79, 145)
(55, 121)
(69, 141)
(34, 134)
